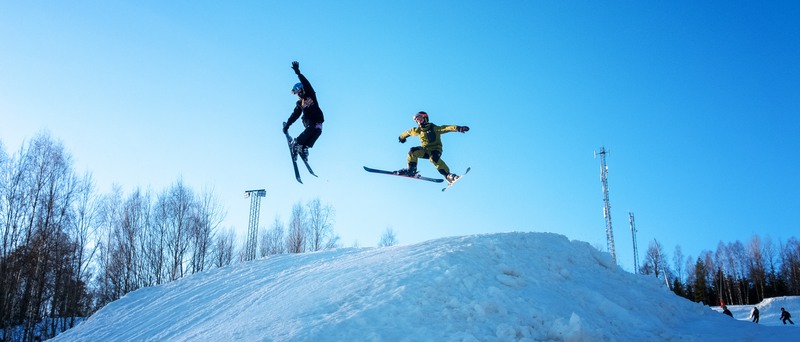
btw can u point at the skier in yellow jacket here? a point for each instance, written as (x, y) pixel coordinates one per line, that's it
(431, 146)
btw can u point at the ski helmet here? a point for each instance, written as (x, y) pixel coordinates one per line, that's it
(421, 116)
(297, 88)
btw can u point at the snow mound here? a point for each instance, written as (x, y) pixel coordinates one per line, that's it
(769, 310)
(496, 287)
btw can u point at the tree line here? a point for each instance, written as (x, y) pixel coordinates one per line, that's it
(68, 250)
(735, 273)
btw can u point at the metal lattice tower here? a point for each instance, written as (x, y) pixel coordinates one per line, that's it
(635, 244)
(252, 231)
(607, 203)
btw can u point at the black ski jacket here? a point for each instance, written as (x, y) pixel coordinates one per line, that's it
(307, 106)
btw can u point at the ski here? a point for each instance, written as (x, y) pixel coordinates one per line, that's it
(391, 173)
(459, 178)
(305, 161)
(294, 157)
(294, 160)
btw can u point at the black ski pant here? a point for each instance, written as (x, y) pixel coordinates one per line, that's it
(309, 135)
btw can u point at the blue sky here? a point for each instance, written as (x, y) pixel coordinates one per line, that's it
(697, 102)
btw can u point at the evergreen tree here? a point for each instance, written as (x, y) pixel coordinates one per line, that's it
(700, 286)
(677, 287)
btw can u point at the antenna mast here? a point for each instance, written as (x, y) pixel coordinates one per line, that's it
(635, 248)
(607, 203)
(252, 231)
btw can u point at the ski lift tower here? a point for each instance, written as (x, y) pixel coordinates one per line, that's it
(252, 231)
(635, 247)
(607, 203)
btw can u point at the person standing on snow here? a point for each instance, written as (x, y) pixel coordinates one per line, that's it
(430, 146)
(786, 316)
(308, 106)
(754, 314)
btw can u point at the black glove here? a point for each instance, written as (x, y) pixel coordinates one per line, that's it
(296, 67)
(402, 140)
(462, 129)
(285, 128)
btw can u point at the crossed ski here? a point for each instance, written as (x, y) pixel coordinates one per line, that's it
(294, 159)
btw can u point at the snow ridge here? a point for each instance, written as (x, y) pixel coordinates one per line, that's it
(494, 287)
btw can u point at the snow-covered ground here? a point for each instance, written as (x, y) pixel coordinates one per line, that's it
(769, 311)
(497, 287)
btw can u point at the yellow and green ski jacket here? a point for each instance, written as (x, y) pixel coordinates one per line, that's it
(429, 135)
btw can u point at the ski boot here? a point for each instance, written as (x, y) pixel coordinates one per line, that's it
(300, 150)
(451, 178)
(408, 172)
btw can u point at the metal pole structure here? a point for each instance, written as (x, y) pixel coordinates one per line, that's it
(635, 244)
(607, 203)
(252, 231)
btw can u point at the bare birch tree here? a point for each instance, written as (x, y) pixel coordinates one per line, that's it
(298, 231)
(388, 238)
(272, 240)
(320, 226)
(224, 248)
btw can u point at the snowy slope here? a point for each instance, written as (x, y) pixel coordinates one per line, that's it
(769, 310)
(498, 287)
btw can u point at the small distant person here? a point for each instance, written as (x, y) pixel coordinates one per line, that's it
(754, 314)
(786, 316)
(726, 311)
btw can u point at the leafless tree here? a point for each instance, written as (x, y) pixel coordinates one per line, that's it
(84, 232)
(298, 231)
(724, 272)
(175, 210)
(224, 248)
(273, 241)
(654, 260)
(757, 266)
(678, 262)
(320, 226)
(204, 223)
(388, 238)
(790, 265)
(770, 256)
(109, 286)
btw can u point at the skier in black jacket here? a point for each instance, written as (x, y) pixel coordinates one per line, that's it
(755, 314)
(786, 316)
(308, 106)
